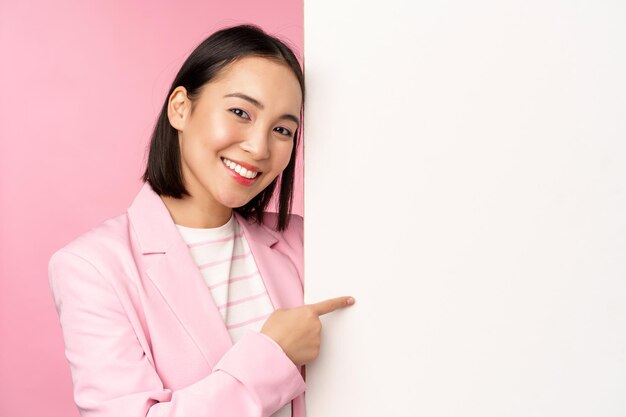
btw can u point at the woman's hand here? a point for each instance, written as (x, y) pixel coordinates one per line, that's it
(297, 330)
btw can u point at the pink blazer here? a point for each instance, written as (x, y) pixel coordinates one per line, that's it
(142, 334)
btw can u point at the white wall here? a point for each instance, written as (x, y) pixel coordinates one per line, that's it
(465, 180)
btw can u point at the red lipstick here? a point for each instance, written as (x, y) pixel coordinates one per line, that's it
(242, 180)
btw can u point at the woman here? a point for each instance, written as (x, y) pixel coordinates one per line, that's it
(190, 303)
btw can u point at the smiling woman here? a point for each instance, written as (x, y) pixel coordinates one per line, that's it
(190, 303)
(252, 130)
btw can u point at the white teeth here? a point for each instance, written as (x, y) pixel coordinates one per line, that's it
(239, 169)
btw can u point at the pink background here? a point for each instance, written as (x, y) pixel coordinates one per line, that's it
(80, 87)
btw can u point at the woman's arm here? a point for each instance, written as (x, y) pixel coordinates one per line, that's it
(113, 377)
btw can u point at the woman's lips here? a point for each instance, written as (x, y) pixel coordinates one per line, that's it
(242, 164)
(240, 172)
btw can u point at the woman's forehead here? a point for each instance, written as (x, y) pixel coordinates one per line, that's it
(260, 78)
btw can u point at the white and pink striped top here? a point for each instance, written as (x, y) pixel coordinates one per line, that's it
(223, 256)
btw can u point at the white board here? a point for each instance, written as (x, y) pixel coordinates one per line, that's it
(465, 180)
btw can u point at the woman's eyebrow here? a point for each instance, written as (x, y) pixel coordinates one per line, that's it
(260, 105)
(291, 117)
(254, 101)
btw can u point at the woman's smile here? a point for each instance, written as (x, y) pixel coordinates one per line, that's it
(242, 173)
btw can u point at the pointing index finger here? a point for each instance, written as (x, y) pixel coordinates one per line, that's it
(330, 305)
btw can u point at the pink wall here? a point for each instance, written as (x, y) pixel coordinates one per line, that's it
(80, 87)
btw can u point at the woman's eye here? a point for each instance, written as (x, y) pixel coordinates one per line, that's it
(283, 131)
(240, 113)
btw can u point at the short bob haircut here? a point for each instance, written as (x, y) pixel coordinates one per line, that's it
(163, 171)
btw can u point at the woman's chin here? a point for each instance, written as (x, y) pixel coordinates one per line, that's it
(235, 202)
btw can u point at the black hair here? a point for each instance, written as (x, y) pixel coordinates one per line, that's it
(163, 171)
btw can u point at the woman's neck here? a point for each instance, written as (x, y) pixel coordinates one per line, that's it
(189, 213)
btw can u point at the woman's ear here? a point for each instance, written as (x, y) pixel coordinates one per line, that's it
(177, 108)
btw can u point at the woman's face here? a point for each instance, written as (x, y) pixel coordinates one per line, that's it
(241, 133)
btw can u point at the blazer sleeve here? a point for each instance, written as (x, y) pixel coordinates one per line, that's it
(113, 377)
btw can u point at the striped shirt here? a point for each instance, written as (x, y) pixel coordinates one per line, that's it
(224, 258)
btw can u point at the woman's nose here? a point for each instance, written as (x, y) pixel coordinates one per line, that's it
(257, 145)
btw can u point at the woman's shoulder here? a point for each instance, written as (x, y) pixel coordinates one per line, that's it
(294, 226)
(289, 242)
(292, 235)
(104, 244)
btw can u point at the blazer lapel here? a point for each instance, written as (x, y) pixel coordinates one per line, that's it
(171, 268)
(276, 269)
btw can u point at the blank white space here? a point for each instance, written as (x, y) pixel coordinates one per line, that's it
(465, 180)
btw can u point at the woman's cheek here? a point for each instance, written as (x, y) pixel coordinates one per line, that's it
(286, 154)
(224, 134)
(219, 133)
